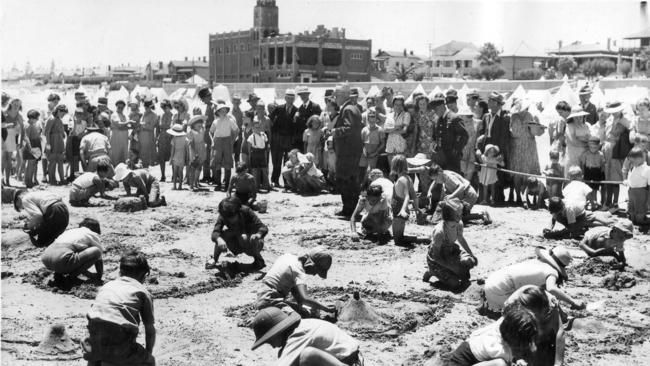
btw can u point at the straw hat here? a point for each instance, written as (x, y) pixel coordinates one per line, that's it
(577, 111)
(302, 90)
(290, 92)
(626, 227)
(270, 322)
(176, 130)
(558, 258)
(585, 90)
(196, 119)
(496, 96)
(56, 341)
(220, 106)
(489, 147)
(418, 160)
(121, 171)
(614, 107)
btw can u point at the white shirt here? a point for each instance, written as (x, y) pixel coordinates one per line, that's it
(286, 273)
(224, 127)
(258, 140)
(509, 279)
(486, 343)
(577, 192)
(639, 176)
(318, 334)
(35, 204)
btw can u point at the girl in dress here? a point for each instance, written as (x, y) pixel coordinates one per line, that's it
(178, 154)
(488, 174)
(312, 139)
(164, 139)
(396, 126)
(198, 151)
(134, 119)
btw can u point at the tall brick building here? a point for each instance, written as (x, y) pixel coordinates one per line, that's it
(261, 54)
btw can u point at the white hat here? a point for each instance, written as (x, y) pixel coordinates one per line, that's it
(121, 171)
(577, 111)
(222, 106)
(613, 107)
(418, 160)
(176, 130)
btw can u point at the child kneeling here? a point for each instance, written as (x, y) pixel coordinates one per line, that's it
(378, 217)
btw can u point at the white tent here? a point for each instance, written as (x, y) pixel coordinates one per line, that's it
(267, 95)
(519, 93)
(221, 92)
(178, 93)
(598, 97)
(196, 80)
(435, 91)
(373, 91)
(418, 90)
(159, 93)
(539, 96)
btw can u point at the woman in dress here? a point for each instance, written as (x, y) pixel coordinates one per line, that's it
(576, 137)
(396, 126)
(467, 165)
(119, 134)
(146, 135)
(182, 114)
(13, 124)
(523, 148)
(425, 120)
(134, 120)
(164, 139)
(615, 127)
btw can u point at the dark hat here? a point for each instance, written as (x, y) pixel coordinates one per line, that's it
(79, 94)
(204, 92)
(354, 92)
(270, 322)
(452, 93)
(120, 102)
(437, 100)
(102, 101)
(252, 97)
(496, 96)
(450, 99)
(329, 92)
(321, 259)
(53, 97)
(473, 93)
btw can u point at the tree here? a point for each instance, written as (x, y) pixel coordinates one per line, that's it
(418, 76)
(533, 73)
(602, 67)
(567, 66)
(402, 72)
(490, 72)
(625, 68)
(488, 55)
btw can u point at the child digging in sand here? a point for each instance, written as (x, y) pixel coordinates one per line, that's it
(244, 185)
(377, 219)
(403, 192)
(608, 241)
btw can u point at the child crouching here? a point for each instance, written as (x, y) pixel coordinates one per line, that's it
(377, 219)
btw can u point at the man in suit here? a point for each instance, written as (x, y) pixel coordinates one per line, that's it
(348, 147)
(587, 106)
(306, 110)
(354, 98)
(282, 133)
(206, 97)
(449, 135)
(496, 128)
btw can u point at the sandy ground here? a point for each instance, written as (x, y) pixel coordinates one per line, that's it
(201, 319)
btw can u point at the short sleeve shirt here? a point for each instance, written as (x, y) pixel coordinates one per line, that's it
(576, 191)
(318, 334)
(73, 240)
(486, 344)
(124, 301)
(531, 272)
(599, 237)
(285, 274)
(639, 177)
(573, 209)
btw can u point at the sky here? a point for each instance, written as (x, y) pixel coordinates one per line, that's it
(114, 32)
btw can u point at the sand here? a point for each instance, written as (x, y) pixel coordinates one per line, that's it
(202, 318)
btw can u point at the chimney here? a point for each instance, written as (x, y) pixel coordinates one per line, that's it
(405, 52)
(185, 58)
(609, 44)
(559, 45)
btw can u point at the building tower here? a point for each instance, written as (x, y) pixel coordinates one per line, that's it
(266, 18)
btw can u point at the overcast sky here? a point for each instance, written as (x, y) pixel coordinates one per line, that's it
(90, 32)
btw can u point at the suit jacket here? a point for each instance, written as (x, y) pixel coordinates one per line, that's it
(282, 120)
(450, 134)
(303, 115)
(499, 133)
(592, 117)
(348, 144)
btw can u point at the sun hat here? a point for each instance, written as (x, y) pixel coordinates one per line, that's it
(473, 93)
(236, 97)
(302, 90)
(176, 130)
(437, 100)
(270, 322)
(418, 160)
(121, 171)
(558, 258)
(594, 138)
(120, 101)
(489, 147)
(465, 111)
(585, 90)
(196, 119)
(354, 92)
(398, 97)
(625, 226)
(613, 107)
(321, 259)
(496, 96)
(577, 111)
(220, 106)
(290, 92)
(204, 92)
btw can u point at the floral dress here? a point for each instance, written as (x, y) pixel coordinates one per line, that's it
(396, 143)
(523, 156)
(467, 165)
(426, 121)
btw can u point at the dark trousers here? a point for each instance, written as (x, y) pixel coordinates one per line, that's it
(348, 187)
(280, 147)
(237, 149)
(206, 164)
(55, 221)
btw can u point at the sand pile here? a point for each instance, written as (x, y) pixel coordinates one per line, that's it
(130, 204)
(356, 313)
(617, 281)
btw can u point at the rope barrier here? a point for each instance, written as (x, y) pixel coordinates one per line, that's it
(551, 178)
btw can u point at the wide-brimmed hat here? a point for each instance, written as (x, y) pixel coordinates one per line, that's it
(418, 160)
(121, 171)
(252, 97)
(465, 111)
(496, 96)
(270, 322)
(614, 107)
(321, 259)
(558, 258)
(120, 101)
(437, 101)
(260, 103)
(176, 130)
(302, 90)
(577, 111)
(290, 92)
(594, 138)
(489, 147)
(182, 101)
(94, 128)
(585, 90)
(398, 97)
(196, 119)
(626, 226)
(221, 106)
(204, 92)
(354, 92)
(473, 93)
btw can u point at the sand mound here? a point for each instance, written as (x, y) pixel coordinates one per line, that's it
(617, 281)
(130, 204)
(356, 313)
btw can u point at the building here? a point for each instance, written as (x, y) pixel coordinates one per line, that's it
(126, 73)
(588, 52)
(453, 59)
(262, 54)
(179, 71)
(635, 44)
(385, 61)
(520, 58)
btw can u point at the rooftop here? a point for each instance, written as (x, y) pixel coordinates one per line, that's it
(523, 50)
(578, 47)
(453, 48)
(190, 63)
(640, 34)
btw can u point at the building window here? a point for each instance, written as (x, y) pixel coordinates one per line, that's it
(459, 64)
(397, 63)
(289, 56)
(468, 64)
(272, 56)
(307, 55)
(356, 56)
(449, 63)
(280, 55)
(437, 63)
(248, 47)
(332, 56)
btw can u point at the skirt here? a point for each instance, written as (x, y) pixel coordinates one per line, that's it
(595, 174)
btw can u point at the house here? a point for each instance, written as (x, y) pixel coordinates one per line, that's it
(522, 57)
(126, 72)
(179, 71)
(634, 44)
(385, 61)
(453, 59)
(157, 71)
(586, 52)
